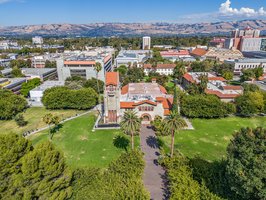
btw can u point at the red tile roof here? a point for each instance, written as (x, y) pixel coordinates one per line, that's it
(216, 78)
(174, 53)
(124, 89)
(166, 66)
(147, 102)
(163, 90)
(232, 87)
(221, 95)
(82, 62)
(128, 105)
(147, 66)
(112, 78)
(189, 78)
(199, 52)
(166, 112)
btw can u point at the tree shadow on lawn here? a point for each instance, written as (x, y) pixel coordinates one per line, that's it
(55, 130)
(121, 142)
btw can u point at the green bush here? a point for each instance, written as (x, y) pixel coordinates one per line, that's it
(19, 119)
(28, 86)
(205, 106)
(11, 104)
(65, 98)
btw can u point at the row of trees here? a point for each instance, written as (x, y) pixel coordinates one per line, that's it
(65, 98)
(11, 104)
(40, 172)
(29, 85)
(205, 106)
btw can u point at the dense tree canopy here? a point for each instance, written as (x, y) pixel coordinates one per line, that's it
(65, 98)
(205, 106)
(32, 173)
(11, 104)
(250, 103)
(121, 180)
(181, 183)
(246, 168)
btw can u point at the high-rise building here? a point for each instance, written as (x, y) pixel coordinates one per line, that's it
(146, 44)
(37, 40)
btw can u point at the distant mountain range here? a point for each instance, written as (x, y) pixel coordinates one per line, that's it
(130, 29)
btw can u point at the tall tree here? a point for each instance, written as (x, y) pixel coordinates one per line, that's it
(130, 124)
(179, 71)
(203, 83)
(173, 123)
(98, 68)
(246, 163)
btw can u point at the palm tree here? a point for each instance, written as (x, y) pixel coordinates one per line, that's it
(98, 68)
(130, 124)
(172, 124)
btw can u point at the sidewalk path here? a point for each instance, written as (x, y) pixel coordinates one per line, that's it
(154, 175)
(96, 108)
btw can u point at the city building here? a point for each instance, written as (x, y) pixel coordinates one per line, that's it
(41, 73)
(219, 54)
(39, 61)
(36, 94)
(174, 55)
(6, 72)
(9, 44)
(217, 42)
(13, 84)
(246, 40)
(163, 46)
(162, 69)
(83, 66)
(216, 85)
(132, 57)
(146, 99)
(37, 40)
(146, 43)
(246, 63)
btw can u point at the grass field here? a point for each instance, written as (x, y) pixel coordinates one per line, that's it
(34, 117)
(210, 137)
(81, 146)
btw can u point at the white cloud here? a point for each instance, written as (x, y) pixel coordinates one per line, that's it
(4, 1)
(227, 10)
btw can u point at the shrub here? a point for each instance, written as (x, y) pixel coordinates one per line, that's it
(19, 119)
(205, 106)
(65, 98)
(11, 104)
(28, 86)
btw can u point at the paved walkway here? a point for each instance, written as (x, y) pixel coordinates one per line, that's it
(154, 174)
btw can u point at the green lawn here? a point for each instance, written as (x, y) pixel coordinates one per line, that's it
(210, 137)
(81, 146)
(34, 117)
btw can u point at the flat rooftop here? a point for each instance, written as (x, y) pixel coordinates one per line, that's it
(48, 84)
(37, 71)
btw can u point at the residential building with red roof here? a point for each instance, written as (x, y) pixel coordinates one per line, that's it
(216, 85)
(146, 99)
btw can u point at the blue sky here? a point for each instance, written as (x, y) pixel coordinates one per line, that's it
(22, 12)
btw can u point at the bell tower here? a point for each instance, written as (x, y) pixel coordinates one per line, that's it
(112, 98)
